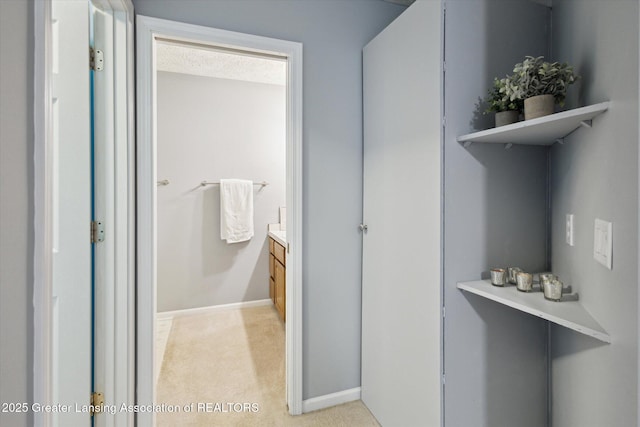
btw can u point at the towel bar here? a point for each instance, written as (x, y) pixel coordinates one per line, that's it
(205, 183)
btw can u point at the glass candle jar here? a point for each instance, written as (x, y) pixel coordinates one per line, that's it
(498, 276)
(513, 271)
(524, 281)
(553, 290)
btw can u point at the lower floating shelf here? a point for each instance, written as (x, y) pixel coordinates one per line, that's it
(570, 314)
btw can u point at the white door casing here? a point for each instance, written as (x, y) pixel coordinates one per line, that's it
(147, 30)
(401, 295)
(114, 204)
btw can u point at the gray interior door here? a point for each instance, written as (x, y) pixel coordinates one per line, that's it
(401, 319)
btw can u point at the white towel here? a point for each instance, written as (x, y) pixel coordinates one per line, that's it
(236, 210)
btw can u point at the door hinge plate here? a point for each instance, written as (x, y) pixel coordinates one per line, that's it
(96, 61)
(97, 402)
(97, 231)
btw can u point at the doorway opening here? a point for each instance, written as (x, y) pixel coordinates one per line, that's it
(221, 114)
(184, 150)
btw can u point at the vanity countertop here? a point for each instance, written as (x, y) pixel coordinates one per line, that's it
(279, 236)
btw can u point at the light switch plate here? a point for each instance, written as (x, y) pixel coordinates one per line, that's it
(603, 242)
(569, 230)
(283, 218)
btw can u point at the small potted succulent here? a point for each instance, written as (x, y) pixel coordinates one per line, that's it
(507, 110)
(541, 85)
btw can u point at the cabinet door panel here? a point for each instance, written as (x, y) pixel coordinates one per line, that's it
(272, 261)
(272, 289)
(280, 284)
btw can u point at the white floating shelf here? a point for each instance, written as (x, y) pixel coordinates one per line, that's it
(570, 314)
(541, 131)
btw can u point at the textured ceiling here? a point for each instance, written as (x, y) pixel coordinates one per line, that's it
(201, 61)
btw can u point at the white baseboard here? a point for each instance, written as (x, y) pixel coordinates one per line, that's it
(329, 400)
(211, 309)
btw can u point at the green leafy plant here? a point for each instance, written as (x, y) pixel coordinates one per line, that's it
(535, 76)
(499, 98)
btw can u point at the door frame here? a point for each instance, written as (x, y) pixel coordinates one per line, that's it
(147, 30)
(121, 315)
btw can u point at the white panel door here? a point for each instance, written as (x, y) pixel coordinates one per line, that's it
(104, 206)
(401, 296)
(72, 282)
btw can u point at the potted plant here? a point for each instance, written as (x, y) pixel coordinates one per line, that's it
(507, 110)
(541, 85)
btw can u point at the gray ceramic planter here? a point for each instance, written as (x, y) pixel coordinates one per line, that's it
(506, 117)
(538, 106)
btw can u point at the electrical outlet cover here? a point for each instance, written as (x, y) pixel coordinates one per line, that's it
(603, 242)
(569, 230)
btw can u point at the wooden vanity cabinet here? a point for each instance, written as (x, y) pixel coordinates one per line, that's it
(277, 276)
(272, 260)
(280, 289)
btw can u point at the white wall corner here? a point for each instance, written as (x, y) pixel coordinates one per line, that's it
(328, 400)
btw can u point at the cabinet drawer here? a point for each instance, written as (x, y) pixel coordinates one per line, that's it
(271, 243)
(279, 252)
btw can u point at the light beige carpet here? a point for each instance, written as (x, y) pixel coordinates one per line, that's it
(227, 369)
(163, 328)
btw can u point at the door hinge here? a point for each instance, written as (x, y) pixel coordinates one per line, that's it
(96, 61)
(97, 403)
(97, 231)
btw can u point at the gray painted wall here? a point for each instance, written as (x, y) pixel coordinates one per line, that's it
(333, 33)
(334, 88)
(16, 208)
(495, 215)
(208, 129)
(595, 175)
